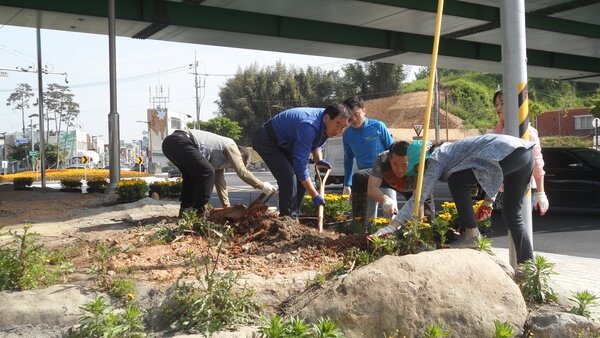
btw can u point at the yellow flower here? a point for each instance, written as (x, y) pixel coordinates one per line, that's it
(446, 216)
(379, 220)
(449, 205)
(341, 218)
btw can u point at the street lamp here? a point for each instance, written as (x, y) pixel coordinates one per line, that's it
(30, 69)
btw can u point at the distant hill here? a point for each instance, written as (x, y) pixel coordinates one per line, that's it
(402, 111)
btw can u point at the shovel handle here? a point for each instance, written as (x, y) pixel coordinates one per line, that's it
(322, 180)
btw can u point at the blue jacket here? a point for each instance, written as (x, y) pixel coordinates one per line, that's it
(299, 132)
(364, 144)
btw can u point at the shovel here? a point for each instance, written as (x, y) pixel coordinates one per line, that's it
(322, 180)
(263, 198)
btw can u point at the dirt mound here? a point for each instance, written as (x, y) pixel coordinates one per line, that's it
(263, 244)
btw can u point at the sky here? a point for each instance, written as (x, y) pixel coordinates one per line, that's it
(145, 69)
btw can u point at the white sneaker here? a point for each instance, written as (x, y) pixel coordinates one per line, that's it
(383, 232)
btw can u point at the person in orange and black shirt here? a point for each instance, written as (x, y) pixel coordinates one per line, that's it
(389, 171)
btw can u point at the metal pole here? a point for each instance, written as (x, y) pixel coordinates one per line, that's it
(41, 108)
(113, 116)
(514, 64)
(197, 124)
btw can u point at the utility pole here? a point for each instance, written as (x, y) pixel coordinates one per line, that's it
(199, 93)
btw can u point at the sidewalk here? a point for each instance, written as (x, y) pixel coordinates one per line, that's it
(573, 274)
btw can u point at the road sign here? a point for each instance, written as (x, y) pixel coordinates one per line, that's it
(21, 141)
(85, 159)
(33, 153)
(596, 122)
(418, 128)
(140, 160)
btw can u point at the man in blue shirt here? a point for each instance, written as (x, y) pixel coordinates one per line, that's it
(363, 140)
(285, 143)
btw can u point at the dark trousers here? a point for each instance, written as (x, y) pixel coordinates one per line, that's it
(279, 162)
(517, 168)
(197, 173)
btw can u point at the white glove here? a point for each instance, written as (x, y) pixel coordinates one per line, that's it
(268, 188)
(383, 232)
(389, 207)
(347, 190)
(541, 202)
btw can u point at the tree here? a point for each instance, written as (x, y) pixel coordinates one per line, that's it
(59, 104)
(373, 80)
(20, 100)
(222, 126)
(595, 108)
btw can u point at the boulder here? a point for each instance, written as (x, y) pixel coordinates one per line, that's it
(462, 290)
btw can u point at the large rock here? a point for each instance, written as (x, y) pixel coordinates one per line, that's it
(562, 324)
(461, 290)
(57, 305)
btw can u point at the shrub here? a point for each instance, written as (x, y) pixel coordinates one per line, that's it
(97, 184)
(336, 205)
(166, 188)
(70, 184)
(22, 183)
(133, 189)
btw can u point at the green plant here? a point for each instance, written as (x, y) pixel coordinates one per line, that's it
(71, 183)
(21, 183)
(484, 244)
(163, 233)
(435, 331)
(336, 205)
(132, 189)
(121, 288)
(102, 320)
(25, 264)
(535, 275)
(166, 188)
(97, 184)
(416, 236)
(217, 301)
(101, 260)
(503, 330)
(276, 327)
(584, 300)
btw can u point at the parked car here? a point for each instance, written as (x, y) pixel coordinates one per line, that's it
(174, 172)
(76, 166)
(572, 176)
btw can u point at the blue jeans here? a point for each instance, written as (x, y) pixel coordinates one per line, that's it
(279, 162)
(517, 168)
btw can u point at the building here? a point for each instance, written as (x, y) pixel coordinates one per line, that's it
(570, 122)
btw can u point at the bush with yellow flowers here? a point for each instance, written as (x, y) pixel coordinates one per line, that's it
(97, 184)
(336, 206)
(132, 189)
(166, 188)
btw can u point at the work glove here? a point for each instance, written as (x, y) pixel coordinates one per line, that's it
(389, 207)
(541, 202)
(347, 190)
(383, 232)
(323, 163)
(268, 188)
(484, 211)
(318, 201)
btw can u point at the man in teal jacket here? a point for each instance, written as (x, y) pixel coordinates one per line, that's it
(363, 140)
